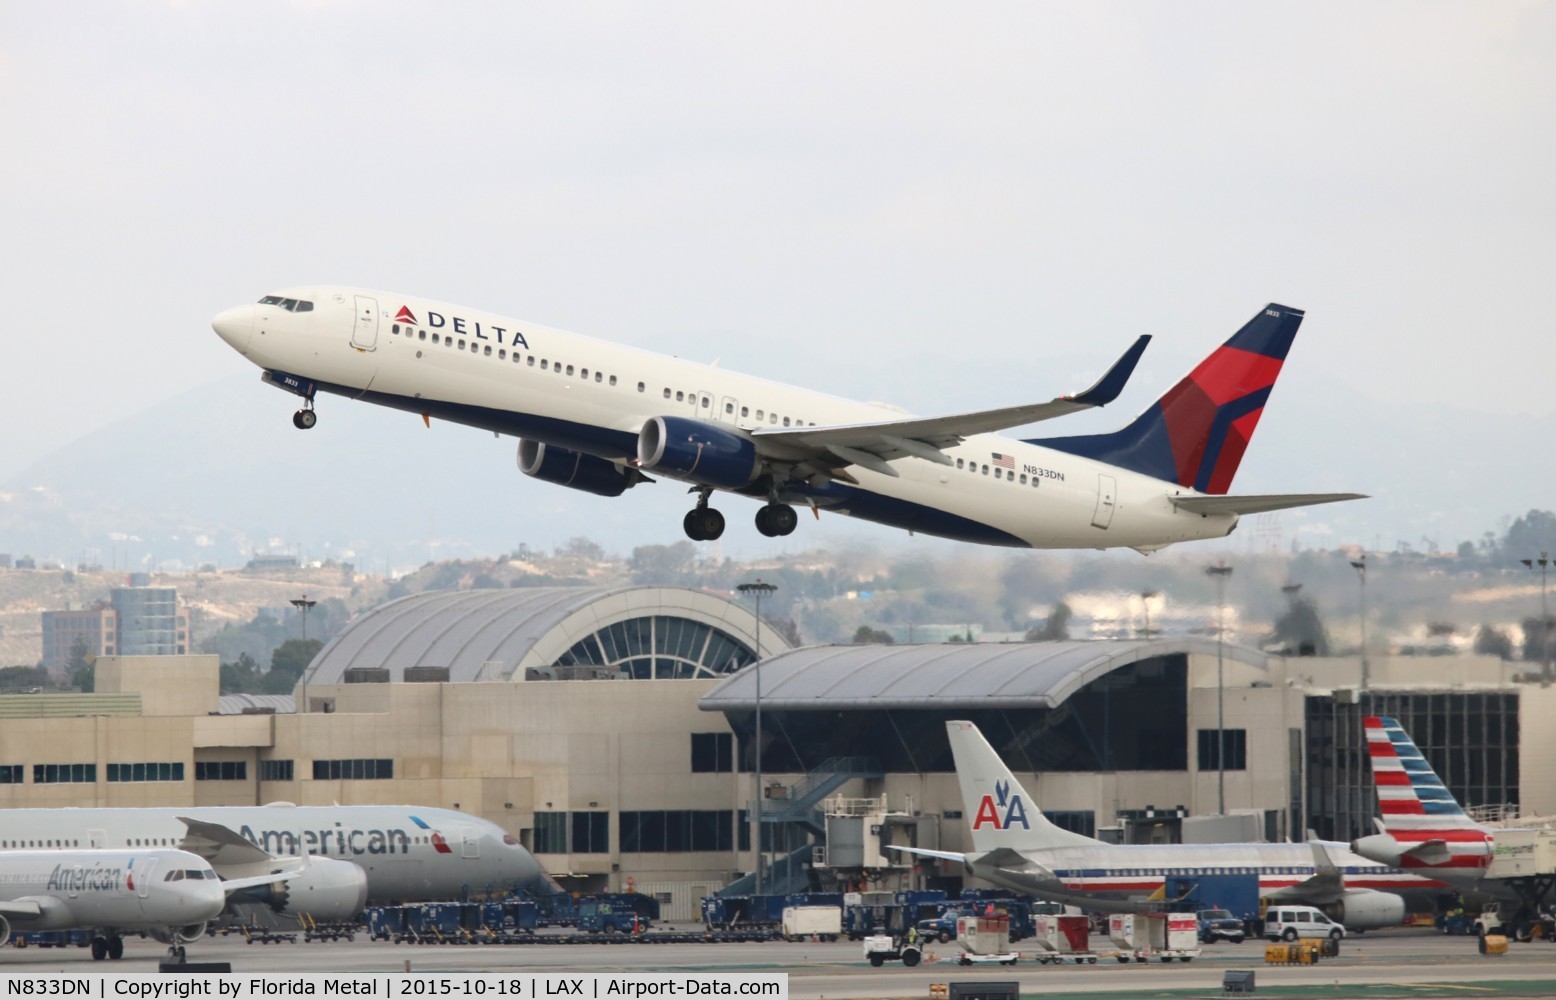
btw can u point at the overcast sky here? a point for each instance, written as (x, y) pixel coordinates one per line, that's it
(945, 206)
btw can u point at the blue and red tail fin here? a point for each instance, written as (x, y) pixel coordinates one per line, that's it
(1196, 434)
(1410, 794)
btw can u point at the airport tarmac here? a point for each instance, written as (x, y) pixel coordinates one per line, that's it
(1402, 963)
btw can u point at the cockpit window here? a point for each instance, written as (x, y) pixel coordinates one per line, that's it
(179, 874)
(290, 305)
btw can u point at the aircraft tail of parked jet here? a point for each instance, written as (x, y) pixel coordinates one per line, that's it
(999, 811)
(1422, 826)
(1195, 435)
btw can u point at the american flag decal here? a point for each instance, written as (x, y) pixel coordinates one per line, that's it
(1004, 461)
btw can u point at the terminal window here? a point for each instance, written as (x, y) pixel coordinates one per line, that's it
(353, 769)
(551, 832)
(1233, 749)
(148, 771)
(11, 774)
(713, 752)
(275, 770)
(591, 832)
(221, 770)
(50, 774)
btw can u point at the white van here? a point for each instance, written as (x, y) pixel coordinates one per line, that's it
(1287, 923)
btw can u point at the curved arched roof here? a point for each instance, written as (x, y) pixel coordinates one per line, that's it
(981, 675)
(493, 635)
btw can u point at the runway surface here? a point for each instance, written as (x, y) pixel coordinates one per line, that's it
(1402, 963)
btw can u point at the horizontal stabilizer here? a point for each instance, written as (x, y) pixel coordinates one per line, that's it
(1257, 503)
(926, 852)
(1430, 852)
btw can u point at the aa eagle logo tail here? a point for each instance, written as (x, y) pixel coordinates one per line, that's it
(999, 811)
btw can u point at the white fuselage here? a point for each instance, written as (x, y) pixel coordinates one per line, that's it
(1131, 873)
(408, 852)
(107, 889)
(593, 397)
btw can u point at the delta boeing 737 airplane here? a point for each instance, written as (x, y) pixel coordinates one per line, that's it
(602, 418)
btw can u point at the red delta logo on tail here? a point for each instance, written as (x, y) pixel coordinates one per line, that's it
(1002, 810)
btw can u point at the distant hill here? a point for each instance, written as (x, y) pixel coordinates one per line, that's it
(216, 473)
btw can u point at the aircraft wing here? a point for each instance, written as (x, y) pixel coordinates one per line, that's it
(222, 846)
(225, 849)
(25, 909)
(1326, 885)
(1257, 503)
(872, 445)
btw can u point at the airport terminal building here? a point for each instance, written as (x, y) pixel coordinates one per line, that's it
(613, 732)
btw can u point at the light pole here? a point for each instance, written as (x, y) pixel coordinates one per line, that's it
(1543, 562)
(1360, 566)
(1145, 606)
(758, 590)
(1220, 572)
(303, 604)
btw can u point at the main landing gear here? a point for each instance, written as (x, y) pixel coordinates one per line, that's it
(107, 946)
(305, 418)
(704, 524)
(776, 519)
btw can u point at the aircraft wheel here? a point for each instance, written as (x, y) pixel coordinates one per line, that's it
(710, 523)
(692, 525)
(115, 948)
(99, 949)
(762, 521)
(781, 518)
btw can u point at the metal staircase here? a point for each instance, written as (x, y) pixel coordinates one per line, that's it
(798, 806)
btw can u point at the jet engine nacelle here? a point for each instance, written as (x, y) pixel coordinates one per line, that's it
(574, 469)
(1367, 909)
(5, 930)
(187, 934)
(1379, 847)
(328, 889)
(698, 452)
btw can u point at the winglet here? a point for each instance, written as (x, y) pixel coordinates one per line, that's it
(1111, 384)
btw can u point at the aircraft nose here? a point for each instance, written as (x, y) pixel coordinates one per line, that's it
(235, 325)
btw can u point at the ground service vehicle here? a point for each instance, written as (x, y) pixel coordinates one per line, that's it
(882, 948)
(1288, 923)
(1220, 925)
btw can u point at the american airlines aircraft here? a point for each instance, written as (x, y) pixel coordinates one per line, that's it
(169, 894)
(1016, 846)
(1423, 828)
(602, 418)
(358, 854)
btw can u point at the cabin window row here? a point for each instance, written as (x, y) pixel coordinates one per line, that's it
(501, 354)
(1009, 475)
(570, 371)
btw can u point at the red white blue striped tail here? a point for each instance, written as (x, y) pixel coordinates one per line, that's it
(1413, 799)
